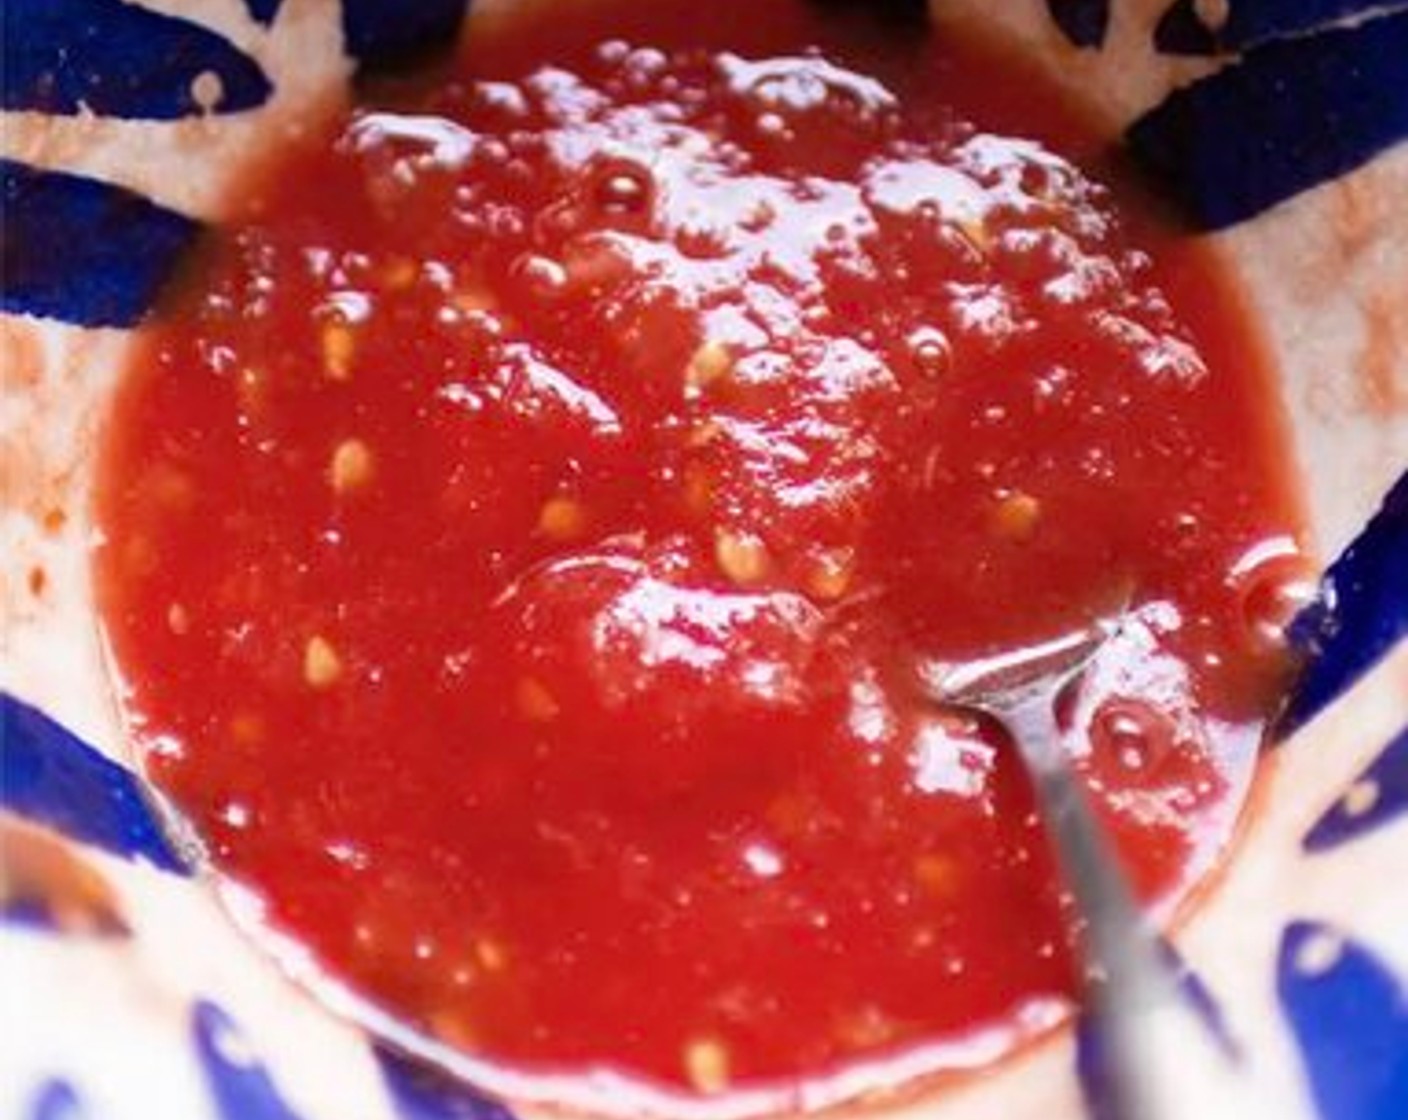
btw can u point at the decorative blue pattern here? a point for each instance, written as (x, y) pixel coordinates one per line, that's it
(45, 884)
(263, 11)
(1376, 797)
(1091, 1071)
(1250, 22)
(1084, 22)
(54, 779)
(1289, 116)
(82, 250)
(421, 1093)
(240, 1085)
(1201, 999)
(95, 254)
(1350, 1018)
(1360, 612)
(56, 1100)
(37, 914)
(1180, 31)
(32, 913)
(897, 12)
(117, 59)
(381, 35)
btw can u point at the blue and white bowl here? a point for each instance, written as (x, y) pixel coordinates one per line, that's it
(129, 991)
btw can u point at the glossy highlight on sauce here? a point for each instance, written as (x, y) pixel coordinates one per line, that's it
(524, 527)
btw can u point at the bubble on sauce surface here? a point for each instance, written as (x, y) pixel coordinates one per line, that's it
(1132, 733)
(542, 278)
(622, 187)
(930, 350)
(1271, 583)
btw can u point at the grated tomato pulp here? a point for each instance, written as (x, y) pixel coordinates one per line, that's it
(523, 525)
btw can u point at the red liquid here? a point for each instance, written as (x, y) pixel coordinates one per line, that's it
(523, 531)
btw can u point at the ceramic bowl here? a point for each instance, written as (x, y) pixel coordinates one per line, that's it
(1278, 128)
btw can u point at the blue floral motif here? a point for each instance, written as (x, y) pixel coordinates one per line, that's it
(1084, 22)
(263, 11)
(1349, 1015)
(118, 59)
(421, 1093)
(894, 12)
(56, 899)
(56, 1100)
(53, 778)
(1091, 1063)
(1377, 796)
(81, 250)
(1287, 117)
(37, 914)
(240, 1085)
(380, 35)
(1092, 1071)
(30, 913)
(1361, 611)
(95, 254)
(1250, 22)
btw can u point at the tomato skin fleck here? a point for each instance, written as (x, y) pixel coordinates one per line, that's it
(526, 522)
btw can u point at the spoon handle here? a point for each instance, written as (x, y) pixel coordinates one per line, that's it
(1161, 1060)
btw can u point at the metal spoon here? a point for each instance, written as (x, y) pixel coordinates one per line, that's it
(1162, 1061)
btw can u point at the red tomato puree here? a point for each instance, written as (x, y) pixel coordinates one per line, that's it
(525, 523)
